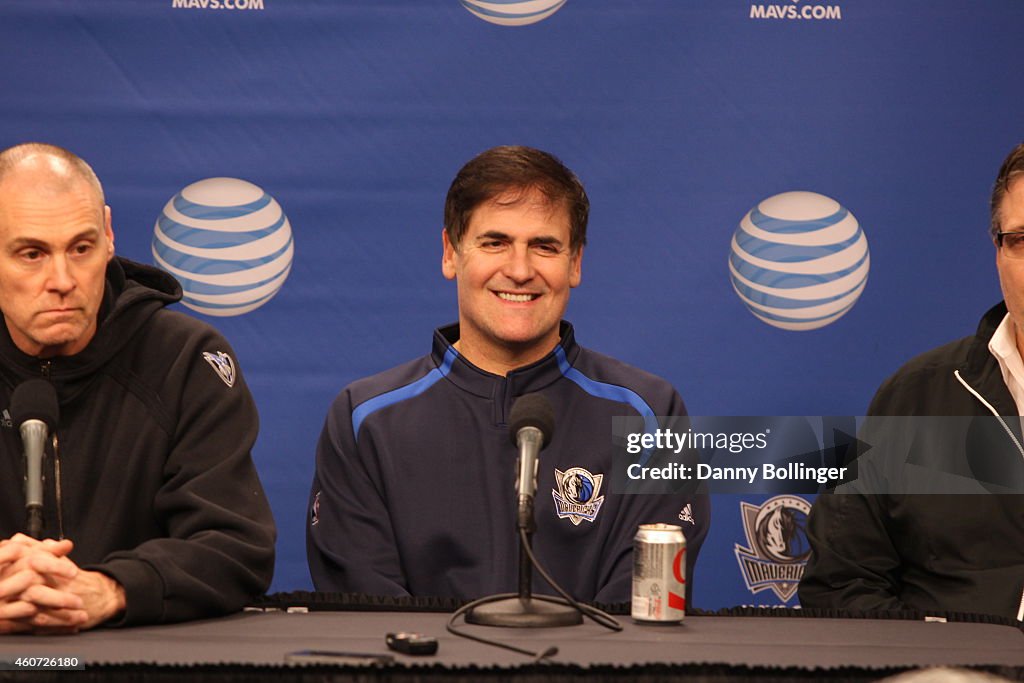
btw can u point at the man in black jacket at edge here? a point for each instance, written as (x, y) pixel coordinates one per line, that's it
(912, 549)
(153, 510)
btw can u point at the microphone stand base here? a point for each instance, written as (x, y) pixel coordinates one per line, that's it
(519, 612)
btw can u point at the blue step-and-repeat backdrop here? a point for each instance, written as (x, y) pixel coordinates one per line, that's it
(698, 126)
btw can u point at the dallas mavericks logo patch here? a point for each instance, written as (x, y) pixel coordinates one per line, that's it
(223, 365)
(778, 547)
(577, 495)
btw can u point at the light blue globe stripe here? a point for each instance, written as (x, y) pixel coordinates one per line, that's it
(784, 319)
(507, 15)
(205, 304)
(499, 2)
(783, 280)
(365, 409)
(193, 210)
(206, 266)
(612, 392)
(212, 239)
(790, 253)
(784, 226)
(201, 264)
(196, 287)
(774, 301)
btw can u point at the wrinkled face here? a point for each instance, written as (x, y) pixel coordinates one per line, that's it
(1011, 270)
(54, 246)
(514, 270)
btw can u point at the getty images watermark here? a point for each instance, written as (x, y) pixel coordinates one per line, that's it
(808, 455)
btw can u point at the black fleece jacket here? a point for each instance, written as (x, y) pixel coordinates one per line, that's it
(913, 548)
(150, 472)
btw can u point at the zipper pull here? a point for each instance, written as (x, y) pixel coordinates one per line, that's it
(57, 486)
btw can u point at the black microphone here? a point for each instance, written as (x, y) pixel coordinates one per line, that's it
(531, 426)
(34, 411)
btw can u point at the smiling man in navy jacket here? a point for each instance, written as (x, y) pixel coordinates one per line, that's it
(413, 491)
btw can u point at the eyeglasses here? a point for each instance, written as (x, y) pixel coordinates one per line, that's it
(1012, 243)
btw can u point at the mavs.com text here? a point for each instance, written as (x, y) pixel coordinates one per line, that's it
(218, 4)
(812, 12)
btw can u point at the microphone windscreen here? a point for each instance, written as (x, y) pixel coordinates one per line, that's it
(532, 410)
(35, 399)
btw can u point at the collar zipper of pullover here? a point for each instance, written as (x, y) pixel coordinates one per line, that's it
(44, 369)
(1020, 610)
(57, 487)
(992, 410)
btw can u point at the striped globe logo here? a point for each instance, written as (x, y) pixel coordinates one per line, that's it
(799, 260)
(229, 244)
(513, 12)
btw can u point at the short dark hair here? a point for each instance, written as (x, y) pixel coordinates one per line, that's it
(1012, 168)
(515, 169)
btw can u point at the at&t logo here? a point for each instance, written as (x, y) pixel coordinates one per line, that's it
(799, 260)
(229, 244)
(513, 12)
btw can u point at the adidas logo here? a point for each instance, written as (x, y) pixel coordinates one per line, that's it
(686, 514)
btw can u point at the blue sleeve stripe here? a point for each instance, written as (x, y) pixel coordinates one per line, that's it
(365, 409)
(612, 392)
